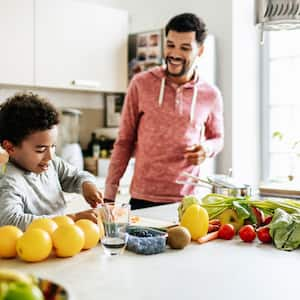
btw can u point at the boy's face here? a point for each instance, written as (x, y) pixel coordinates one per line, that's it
(36, 151)
(181, 51)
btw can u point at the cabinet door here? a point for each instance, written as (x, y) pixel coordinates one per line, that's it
(81, 42)
(16, 50)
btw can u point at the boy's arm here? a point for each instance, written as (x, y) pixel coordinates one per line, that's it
(12, 210)
(125, 143)
(71, 179)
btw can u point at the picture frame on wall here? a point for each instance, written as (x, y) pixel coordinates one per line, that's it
(145, 50)
(113, 108)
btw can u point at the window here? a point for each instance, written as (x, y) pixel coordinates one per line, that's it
(281, 105)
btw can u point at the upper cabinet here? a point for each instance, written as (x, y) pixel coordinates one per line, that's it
(63, 44)
(80, 44)
(16, 50)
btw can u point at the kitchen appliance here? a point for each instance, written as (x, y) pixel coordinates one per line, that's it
(69, 148)
(219, 184)
(277, 15)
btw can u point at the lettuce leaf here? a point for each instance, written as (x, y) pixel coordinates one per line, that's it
(285, 230)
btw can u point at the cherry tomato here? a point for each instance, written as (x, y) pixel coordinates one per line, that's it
(247, 233)
(263, 234)
(226, 232)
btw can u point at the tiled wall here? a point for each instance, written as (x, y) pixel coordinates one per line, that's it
(90, 104)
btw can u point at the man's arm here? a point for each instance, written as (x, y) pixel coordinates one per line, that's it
(125, 143)
(214, 128)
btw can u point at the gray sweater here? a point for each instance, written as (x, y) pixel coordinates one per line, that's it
(25, 196)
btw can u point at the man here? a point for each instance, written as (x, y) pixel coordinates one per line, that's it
(168, 112)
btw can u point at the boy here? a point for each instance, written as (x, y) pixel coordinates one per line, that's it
(35, 179)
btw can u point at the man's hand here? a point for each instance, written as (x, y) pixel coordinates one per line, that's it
(91, 194)
(91, 214)
(195, 155)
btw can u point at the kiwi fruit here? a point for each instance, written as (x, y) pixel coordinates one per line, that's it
(178, 237)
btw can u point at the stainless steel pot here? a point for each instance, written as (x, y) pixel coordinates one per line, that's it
(233, 192)
(219, 184)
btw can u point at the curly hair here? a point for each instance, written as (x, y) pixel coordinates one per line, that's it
(188, 22)
(24, 114)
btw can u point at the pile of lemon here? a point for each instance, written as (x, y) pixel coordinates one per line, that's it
(59, 235)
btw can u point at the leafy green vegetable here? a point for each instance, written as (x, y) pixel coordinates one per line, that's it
(185, 203)
(243, 211)
(285, 230)
(269, 206)
(285, 225)
(216, 204)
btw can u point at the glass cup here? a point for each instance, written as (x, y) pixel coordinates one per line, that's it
(115, 218)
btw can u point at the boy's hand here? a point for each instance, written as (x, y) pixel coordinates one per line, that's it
(91, 194)
(91, 214)
(195, 155)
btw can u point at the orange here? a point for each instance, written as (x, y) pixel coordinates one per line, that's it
(91, 233)
(68, 240)
(34, 245)
(8, 239)
(62, 220)
(43, 223)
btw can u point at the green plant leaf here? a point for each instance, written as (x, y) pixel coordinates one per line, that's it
(243, 211)
(277, 134)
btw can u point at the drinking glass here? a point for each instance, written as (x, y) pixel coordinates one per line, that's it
(115, 218)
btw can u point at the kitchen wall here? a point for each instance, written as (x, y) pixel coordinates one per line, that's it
(232, 23)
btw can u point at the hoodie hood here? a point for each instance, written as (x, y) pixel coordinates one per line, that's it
(159, 72)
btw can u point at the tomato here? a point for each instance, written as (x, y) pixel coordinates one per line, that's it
(268, 220)
(263, 234)
(247, 233)
(22, 291)
(226, 232)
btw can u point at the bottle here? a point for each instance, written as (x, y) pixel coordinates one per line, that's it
(93, 146)
(96, 150)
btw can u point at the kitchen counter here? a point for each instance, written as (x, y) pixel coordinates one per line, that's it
(216, 270)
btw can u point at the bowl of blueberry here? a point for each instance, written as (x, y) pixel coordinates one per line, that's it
(145, 240)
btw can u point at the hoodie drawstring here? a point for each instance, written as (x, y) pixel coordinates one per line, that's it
(193, 106)
(194, 98)
(161, 92)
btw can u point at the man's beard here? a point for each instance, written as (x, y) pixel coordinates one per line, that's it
(183, 69)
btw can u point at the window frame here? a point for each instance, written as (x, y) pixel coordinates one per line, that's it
(264, 71)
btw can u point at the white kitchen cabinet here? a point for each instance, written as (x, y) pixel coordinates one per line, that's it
(81, 42)
(16, 50)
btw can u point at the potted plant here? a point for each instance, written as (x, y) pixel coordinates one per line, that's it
(293, 147)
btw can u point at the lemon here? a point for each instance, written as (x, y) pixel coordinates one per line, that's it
(62, 220)
(68, 240)
(195, 219)
(34, 245)
(91, 233)
(43, 223)
(8, 239)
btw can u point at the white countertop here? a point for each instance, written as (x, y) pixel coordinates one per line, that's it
(213, 271)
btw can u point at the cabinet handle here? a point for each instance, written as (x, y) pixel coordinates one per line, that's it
(85, 83)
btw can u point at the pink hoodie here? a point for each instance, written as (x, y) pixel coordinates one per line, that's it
(159, 121)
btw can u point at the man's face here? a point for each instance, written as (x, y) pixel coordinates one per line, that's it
(36, 151)
(180, 52)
